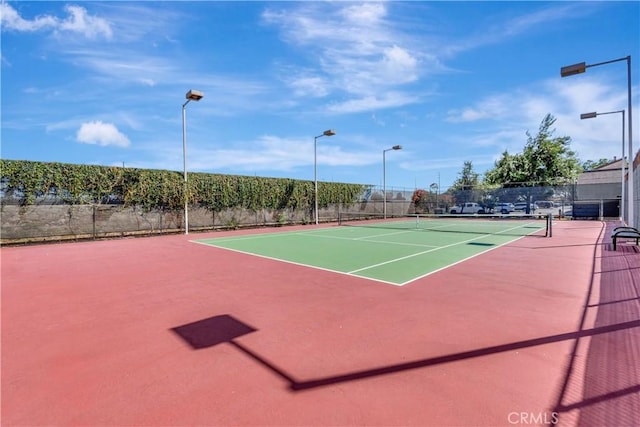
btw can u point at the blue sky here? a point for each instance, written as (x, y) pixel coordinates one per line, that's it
(104, 83)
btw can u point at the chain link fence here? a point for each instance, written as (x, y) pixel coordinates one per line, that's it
(580, 201)
(50, 218)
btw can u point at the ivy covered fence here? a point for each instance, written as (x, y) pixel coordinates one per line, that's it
(26, 181)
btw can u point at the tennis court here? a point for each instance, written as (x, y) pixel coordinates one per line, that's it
(394, 250)
(161, 331)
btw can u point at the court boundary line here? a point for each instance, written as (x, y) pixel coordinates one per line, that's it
(351, 273)
(418, 254)
(461, 261)
(359, 239)
(468, 258)
(296, 263)
(442, 247)
(278, 233)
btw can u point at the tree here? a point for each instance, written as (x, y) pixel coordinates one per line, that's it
(590, 165)
(419, 199)
(509, 171)
(468, 179)
(545, 160)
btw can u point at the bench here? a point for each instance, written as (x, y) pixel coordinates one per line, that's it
(624, 233)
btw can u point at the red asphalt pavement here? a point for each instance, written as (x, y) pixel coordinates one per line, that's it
(160, 331)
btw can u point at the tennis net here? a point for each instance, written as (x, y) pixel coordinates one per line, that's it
(511, 225)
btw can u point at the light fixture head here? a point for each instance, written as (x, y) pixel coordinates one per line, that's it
(588, 115)
(194, 95)
(329, 132)
(571, 70)
(397, 147)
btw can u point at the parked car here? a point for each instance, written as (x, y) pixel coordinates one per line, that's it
(522, 206)
(467, 208)
(544, 204)
(504, 208)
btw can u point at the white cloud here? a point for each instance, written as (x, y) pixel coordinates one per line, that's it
(372, 102)
(124, 65)
(272, 153)
(77, 21)
(364, 14)
(499, 32)
(356, 53)
(399, 63)
(522, 110)
(546, 16)
(492, 107)
(306, 83)
(11, 20)
(480, 162)
(467, 115)
(80, 22)
(103, 134)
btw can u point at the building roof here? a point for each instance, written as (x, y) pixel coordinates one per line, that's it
(615, 164)
(608, 173)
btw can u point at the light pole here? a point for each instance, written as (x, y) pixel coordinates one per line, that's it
(594, 115)
(434, 187)
(384, 176)
(329, 132)
(192, 95)
(571, 70)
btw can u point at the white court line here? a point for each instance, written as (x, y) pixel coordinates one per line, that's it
(432, 250)
(458, 262)
(412, 255)
(301, 233)
(296, 263)
(261, 235)
(375, 241)
(352, 273)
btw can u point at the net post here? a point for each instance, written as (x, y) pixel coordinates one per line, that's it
(549, 225)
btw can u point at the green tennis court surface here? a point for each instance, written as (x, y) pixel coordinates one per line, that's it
(394, 251)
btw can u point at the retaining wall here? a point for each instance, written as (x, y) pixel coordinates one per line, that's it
(45, 222)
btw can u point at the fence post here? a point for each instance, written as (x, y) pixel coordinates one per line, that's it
(601, 217)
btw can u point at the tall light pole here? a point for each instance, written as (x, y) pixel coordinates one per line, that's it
(329, 132)
(434, 187)
(594, 115)
(192, 95)
(384, 176)
(571, 70)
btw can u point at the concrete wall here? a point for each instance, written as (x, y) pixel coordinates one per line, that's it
(602, 191)
(39, 223)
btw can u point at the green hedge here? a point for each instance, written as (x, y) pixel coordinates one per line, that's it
(149, 188)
